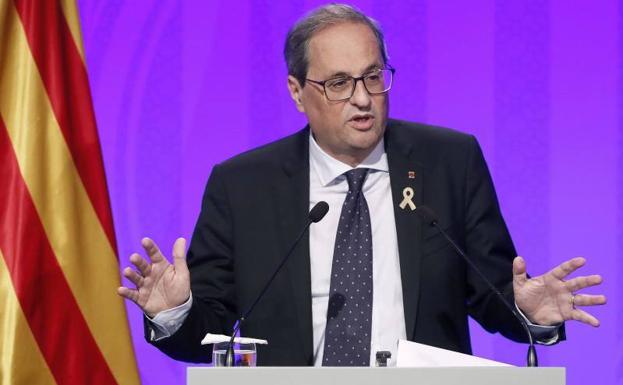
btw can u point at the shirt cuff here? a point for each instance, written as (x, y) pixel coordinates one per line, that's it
(167, 322)
(542, 334)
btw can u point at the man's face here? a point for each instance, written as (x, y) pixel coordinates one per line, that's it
(349, 129)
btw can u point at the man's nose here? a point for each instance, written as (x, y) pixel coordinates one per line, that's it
(361, 97)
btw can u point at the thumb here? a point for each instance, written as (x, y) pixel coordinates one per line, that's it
(179, 255)
(519, 272)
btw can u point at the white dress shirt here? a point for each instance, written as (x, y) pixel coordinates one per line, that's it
(327, 183)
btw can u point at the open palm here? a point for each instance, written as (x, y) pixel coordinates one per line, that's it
(160, 285)
(548, 299)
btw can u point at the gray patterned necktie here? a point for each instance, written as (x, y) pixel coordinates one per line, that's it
(349, 314)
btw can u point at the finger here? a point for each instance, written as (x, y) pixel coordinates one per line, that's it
(133, 276)
(179, 255)
(580, 283)
(584, 317)
(519, 272)
(568, 267)
(152, 250)
(130, 294)
(141, 264)
(589, 300)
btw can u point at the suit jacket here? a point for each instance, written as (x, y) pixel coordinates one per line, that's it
(255, 204)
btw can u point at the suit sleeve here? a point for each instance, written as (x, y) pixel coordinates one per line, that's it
(489, 244)
(210, 260)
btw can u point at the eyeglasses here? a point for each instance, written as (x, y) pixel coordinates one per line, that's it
(340, 88)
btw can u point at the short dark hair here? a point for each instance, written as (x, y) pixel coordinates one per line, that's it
(297, 41)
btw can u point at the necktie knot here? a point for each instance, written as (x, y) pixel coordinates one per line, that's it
(356, 178)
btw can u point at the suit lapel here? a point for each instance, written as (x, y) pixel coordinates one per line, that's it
(406, 173)
(293, 202)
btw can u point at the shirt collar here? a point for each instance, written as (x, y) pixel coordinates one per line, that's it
(328, 168)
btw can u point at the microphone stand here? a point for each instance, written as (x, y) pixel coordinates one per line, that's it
(429, 216)
(315, 215)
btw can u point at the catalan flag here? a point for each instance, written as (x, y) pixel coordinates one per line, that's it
(61, 321)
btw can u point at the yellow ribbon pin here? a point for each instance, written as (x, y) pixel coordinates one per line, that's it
(407, 194)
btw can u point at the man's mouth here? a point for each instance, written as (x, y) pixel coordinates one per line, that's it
(362, 122)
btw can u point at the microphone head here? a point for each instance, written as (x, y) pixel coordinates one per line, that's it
(318, 211)
(427, 214)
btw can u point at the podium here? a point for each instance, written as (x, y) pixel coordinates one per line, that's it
(376, 376)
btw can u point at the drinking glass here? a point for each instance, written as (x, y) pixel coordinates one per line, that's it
(244, 354)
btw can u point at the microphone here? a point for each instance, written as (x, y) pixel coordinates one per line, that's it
(429, 217)
(315, 215)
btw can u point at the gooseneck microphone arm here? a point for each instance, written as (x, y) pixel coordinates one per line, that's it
(429, 217)
(315, 215)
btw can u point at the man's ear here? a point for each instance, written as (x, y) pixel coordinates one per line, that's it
(296, 92)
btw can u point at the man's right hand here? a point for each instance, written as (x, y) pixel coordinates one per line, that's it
(159, 284)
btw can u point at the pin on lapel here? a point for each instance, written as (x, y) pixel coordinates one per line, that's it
(407, 195)
(411, 174)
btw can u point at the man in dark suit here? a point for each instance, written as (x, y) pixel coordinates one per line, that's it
(256, 203)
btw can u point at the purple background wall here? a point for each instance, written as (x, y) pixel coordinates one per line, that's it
(179, 86)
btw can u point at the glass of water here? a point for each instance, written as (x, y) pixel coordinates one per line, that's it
(244, 354)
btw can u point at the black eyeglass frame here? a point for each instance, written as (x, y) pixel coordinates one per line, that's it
(354, 80)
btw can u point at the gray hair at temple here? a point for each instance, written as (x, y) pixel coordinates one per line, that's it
(297, 41)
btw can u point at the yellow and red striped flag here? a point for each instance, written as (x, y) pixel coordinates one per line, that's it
(61, 321)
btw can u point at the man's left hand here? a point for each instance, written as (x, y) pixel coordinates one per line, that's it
(548, 299)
